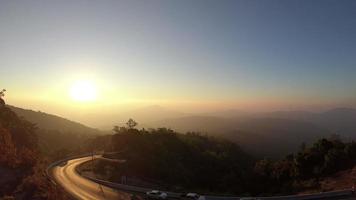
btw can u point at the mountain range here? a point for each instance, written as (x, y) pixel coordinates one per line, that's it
(52, 122)
(57, 135)
(270, 134)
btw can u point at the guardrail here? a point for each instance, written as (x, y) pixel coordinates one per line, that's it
(129, 188)
(208, 197)
(325, 195)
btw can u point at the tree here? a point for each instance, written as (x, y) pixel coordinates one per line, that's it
(119, 129)
(131, 123)
(2, 94)
(303, 146)
(116, 129)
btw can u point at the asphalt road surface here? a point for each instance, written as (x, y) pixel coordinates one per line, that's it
(82, 188)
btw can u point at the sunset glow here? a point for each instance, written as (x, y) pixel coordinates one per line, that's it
(243, 99)
(105, 58)
(83, 91)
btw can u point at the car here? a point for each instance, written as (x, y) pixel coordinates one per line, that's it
(156, 194)
(192, 196)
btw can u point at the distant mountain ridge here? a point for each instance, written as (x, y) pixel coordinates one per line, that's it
(47, 121)
(266, 134)
(57, 135)
(261, 136)
(145, 116)
(340, 121)
(270, 133)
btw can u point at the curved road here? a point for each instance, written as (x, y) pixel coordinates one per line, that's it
(82, 188)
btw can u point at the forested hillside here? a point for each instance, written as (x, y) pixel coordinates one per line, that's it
(194, 162)
(57, 136)
(339, 120)
(262, 137)
(21, 164)
(305, 169)
(47, 121)
(179, 161)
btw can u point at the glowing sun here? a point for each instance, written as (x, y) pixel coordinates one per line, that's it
(83, 91)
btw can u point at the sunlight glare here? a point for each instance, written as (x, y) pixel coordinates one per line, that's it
(83, 91)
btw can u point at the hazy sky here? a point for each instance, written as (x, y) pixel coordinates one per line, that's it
(265, 54)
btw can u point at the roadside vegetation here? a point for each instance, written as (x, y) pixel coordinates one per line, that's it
(178, 161)
(305, 169)
(195, 162)
(22, 165)
(161, 158)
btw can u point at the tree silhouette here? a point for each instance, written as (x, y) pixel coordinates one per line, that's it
(2, 94)
(131, 123)
(119, 129)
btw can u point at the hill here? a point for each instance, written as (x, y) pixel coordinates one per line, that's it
(145, 115)
(339, 121)
(47, 121)
(175, 160)
(164, 159)
(18, 141)
(57, 136)
(203, 124)
(21, 164)
(272, 137)
(317, 167)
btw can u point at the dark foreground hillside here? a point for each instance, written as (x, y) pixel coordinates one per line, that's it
(57, 136)
(261, 137)
(21, 165)
(192, 162)
(180, 161)
(49, 122)
(284, 131)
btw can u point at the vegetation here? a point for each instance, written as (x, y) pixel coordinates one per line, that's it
(194, 162)
(18, 140)
(21, 164)
(57, 137)
(160, 157)
(304, 169)
(2, 94)
(179, 161)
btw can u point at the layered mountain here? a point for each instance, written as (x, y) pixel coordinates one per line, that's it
(47, 121)
(341, 121)
(270, 137)
(57, 135)
(265, 134)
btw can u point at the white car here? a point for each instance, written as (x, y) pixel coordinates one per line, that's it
(156, 194)
(193, 196)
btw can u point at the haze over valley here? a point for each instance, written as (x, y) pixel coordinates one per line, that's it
(279, 132)
(177, 100)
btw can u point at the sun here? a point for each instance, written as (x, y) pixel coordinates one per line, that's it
(83, 91)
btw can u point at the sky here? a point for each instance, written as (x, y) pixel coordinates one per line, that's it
(191, 55)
